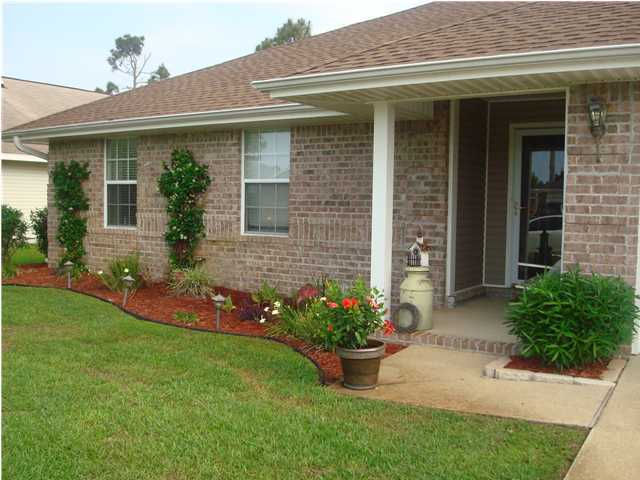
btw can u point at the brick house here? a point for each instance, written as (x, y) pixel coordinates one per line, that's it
(466, 120)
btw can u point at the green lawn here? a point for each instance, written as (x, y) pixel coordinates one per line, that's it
(27, 255)
(91, 393)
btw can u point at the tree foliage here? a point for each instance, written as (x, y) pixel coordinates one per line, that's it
(14, 231)
(289, 32)
(71, 200)
(161, 73)
(110, 89)
(39, 224)
(182, 183)
(128, 57)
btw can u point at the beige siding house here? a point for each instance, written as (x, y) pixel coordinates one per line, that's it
(25, 175)
(473, 122)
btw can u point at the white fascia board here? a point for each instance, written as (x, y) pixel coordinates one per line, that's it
(22, 157)
(290, 111)
(555, 61)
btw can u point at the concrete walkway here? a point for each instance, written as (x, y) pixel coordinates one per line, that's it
(453, 380)
(612, 449)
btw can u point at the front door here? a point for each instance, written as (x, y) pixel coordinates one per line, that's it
(538, 193)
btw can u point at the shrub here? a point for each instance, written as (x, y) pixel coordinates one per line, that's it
(182, 182)
(14, 231)
(70, 200)
(119, 268)
(255, 312)
(307, 323)
(305, 294)
(186, 317)
(267, 295)
(228, 305)
(342, 318)
(38, 219)
(569, 319)
(195, 282)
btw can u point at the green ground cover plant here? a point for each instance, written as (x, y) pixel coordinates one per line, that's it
(90, 392)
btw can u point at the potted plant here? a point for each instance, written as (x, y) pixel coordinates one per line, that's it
(351, 316)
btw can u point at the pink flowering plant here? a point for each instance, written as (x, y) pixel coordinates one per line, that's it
(352, 314)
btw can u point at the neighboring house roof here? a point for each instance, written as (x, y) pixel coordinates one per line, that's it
(434, 31)
(24, 101)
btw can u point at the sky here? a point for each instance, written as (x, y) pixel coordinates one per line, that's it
(68, 43)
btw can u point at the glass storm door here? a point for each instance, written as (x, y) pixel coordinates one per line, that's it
(540, 207)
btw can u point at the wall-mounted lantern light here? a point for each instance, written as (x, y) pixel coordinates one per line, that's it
(597, 111)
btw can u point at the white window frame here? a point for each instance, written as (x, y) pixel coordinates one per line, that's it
(243, 229)
(115, 182)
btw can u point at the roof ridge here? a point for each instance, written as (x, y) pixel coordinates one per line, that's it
(519, 4)
(51, 84)
(307, 39)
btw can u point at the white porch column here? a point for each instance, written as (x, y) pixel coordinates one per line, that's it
(382, 197)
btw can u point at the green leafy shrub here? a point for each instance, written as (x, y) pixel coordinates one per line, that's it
(119, 268)
(182, 183)
(39, 220)
(195, 282)
(71, 200)
(188, 318)
(569, 319)
(267, 295)
(14, 231)
(308, 323)
(342, 318)
(228, 305)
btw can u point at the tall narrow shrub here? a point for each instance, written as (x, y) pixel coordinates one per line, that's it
(39, 224)
(182, 183)
(14, 230)
(71, 200)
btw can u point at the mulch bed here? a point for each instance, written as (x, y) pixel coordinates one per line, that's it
(155, 302)
(592, 370)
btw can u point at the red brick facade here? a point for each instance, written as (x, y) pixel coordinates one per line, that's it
(603, 193)
(329, 204)
(330, 199)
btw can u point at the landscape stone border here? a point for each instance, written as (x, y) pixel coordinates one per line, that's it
(496, 369)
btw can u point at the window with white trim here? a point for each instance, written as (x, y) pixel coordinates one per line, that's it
(121, 174)
(266, 181)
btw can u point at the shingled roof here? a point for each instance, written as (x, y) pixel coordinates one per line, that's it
(434, 31)
(529, 27)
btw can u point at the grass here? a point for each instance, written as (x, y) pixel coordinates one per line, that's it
(89, 392)
(27, 255)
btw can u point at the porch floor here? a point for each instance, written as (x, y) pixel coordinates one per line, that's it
(481, 317)
(474, 325)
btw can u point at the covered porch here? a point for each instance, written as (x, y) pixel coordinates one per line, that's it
(510, 120)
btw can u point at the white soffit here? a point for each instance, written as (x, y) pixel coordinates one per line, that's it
(498, 75)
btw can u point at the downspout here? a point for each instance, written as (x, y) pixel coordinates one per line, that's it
(28, 150)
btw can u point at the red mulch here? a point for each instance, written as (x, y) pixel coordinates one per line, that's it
(592, 370)
(154, 302)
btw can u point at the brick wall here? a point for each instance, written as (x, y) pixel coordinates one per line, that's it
(602, 195)
(329, 204)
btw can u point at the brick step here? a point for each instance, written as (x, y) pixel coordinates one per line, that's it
(450, 342)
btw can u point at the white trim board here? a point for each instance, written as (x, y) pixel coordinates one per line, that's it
(528, 63)
(235, 117)
(516, 132)
(22, 157)
(452, 195)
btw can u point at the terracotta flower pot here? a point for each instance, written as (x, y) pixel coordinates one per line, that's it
(361, 366)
